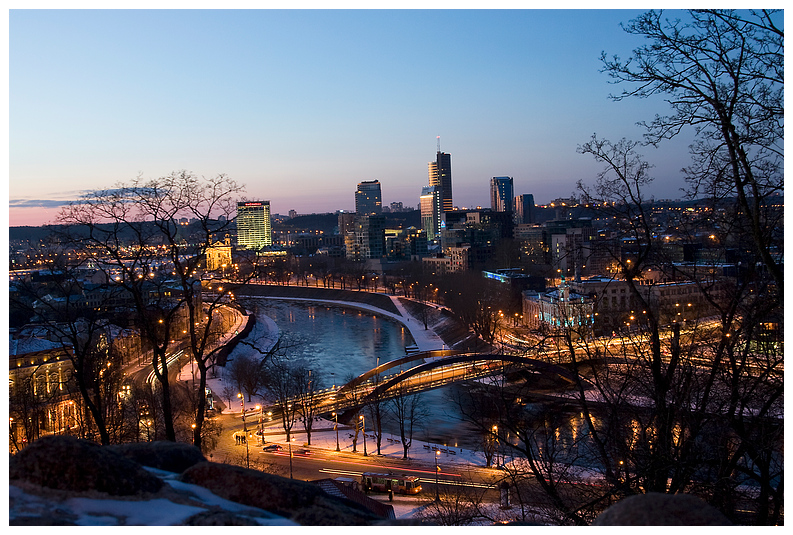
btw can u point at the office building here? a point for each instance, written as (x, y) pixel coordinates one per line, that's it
(524, 209)
(370, 237)
(368, 198)
(501, 193)
(254, 230)
(440, 176)
(346, 222)
(431, 212)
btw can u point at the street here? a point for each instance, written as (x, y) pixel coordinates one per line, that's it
(310, 463)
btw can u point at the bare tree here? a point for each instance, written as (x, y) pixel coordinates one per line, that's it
(699, 378)
(722, 72)
(283, 384)
(306, 398)
(247, 373)
(132, 234)
(461, 504)
(409, 411)
(86, 337)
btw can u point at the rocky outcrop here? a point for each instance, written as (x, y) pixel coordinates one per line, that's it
(656, 509)
(61, 480)
(169, 456)
(301, 502)
(66, 463)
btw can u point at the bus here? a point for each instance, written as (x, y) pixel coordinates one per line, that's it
(389, 482)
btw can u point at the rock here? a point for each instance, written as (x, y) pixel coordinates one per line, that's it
(67, 463)
(219, 518)
(657, 509)
(169, 456)
(301, 502)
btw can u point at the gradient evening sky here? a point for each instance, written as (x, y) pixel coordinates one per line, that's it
(301, 105)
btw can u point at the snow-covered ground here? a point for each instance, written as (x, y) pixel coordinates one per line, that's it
(323, 435)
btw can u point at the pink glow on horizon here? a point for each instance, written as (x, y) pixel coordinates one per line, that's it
(32, 217)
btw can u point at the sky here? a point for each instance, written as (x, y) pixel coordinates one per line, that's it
(302, 105)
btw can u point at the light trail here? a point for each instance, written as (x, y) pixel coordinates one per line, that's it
(369, 467)
(175, 356)
(431, 481)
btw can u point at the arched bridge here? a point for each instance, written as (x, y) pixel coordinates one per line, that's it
(473, 366)
(379, 370)
(436, 369)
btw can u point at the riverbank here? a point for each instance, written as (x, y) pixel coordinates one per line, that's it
(443, 330)
(324, 437)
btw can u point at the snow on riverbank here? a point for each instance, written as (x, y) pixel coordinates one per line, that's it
(323, 435)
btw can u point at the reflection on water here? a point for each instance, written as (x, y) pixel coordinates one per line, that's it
(341, 343)
(337, 343)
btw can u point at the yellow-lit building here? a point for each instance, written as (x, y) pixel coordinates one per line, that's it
(219, 254)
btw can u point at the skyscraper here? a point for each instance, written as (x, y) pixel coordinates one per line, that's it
(368, 199)
(431, 212)
(440, 174)
(524, 209)
(501, 193)
(253, 225)
(370, 236)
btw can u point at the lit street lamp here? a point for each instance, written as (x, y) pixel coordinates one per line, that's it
(261, 424)
(437, 469)
(336, 427)
(495, 432)
(363, 429)
(242, 404)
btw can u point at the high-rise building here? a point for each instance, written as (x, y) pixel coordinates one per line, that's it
(524, 209)
(346, 222)
(501, 193)
(253, 225)
(368, 198)
(370, 236)
(431, 212)
(440, 175)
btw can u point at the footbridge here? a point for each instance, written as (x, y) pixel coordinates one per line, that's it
(426, 371)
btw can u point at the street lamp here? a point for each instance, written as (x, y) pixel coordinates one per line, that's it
(495, 432)
(363, 429)
(261, 424)
(242, 404)
(437, 469)
(336, 427)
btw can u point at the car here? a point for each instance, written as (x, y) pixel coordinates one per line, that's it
(272, 448)
(304, 451)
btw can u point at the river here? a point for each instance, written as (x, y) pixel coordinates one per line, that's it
(339, 343)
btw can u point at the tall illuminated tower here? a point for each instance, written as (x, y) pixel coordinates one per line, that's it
(368, 198)
(524, 208)
(501, 193)
(432, 219)
(440, 174)
(253, 225)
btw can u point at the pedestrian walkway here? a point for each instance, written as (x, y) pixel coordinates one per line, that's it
(425, 339)
(323, 437)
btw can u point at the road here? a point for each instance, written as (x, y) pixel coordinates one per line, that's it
(322, 463)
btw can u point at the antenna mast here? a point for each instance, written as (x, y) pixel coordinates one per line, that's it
(439, 143)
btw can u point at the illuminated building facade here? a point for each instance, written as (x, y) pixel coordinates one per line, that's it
(501, 193)
(440, 176)
(218, 254)
(431, 212)
(368, 198)
(254, 230)
(524, 209)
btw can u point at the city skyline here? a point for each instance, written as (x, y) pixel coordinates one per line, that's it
(323, 99)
